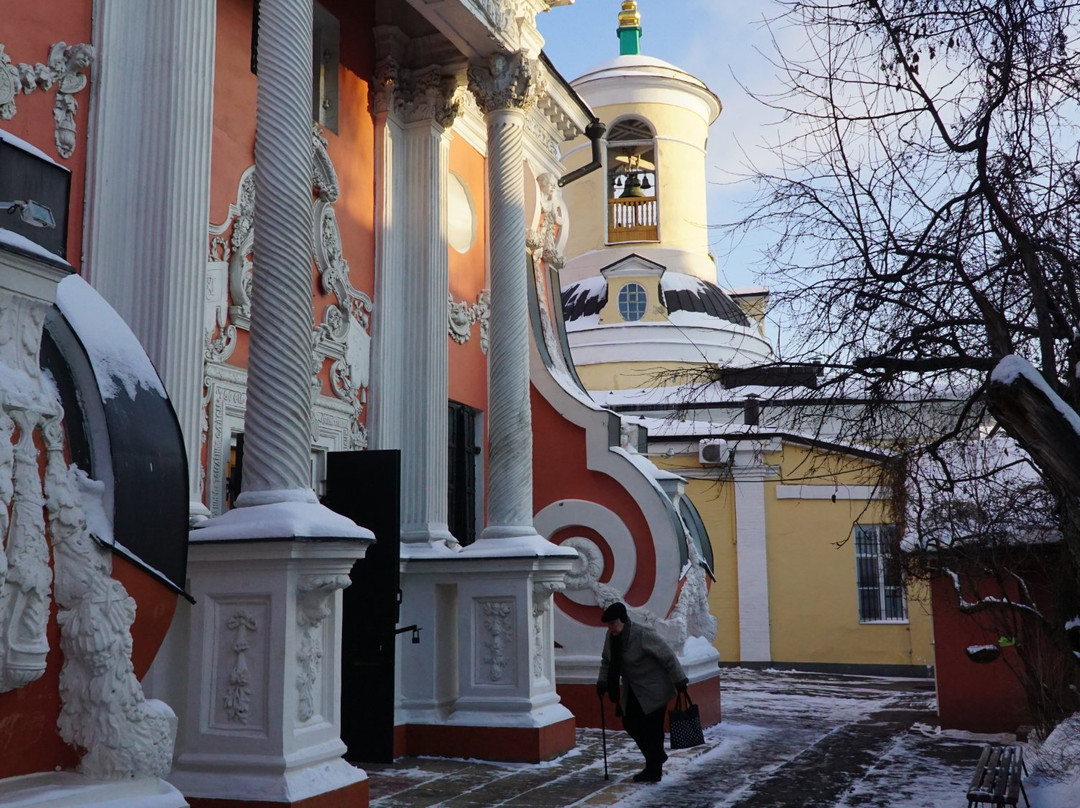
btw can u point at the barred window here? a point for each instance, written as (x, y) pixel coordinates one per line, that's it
(632, 301)
(877, 575)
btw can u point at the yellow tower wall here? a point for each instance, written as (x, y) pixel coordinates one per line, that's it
(681, 136)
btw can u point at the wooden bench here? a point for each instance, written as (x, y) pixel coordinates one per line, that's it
(998, 777)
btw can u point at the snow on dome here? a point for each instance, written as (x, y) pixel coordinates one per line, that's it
(636, 65)
(690, 301)
(116, 355)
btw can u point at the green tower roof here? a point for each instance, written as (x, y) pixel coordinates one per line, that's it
(629, 31)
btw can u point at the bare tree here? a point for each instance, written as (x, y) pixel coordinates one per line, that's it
(927, 212)
(927, 227)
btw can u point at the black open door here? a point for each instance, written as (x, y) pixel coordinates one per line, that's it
(366, 487)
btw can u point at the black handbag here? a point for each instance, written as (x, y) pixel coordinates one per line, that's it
(684, 722)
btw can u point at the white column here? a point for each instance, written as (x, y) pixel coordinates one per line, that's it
(149, 189)
(506, 89)
(421, 106)
(264, 683)
(388, 319)
(277, 425)
(749, 473)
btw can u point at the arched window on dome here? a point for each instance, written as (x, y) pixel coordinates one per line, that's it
(633, 211)
(632, 301)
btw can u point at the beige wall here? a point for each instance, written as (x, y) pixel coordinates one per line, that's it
(813, 604)
(632, 375)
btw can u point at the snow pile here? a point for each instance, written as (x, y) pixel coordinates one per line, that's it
(1055, 767)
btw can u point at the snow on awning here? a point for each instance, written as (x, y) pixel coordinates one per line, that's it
(121, 428)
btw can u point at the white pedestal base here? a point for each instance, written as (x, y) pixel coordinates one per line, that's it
(262, 720)
(71, 790)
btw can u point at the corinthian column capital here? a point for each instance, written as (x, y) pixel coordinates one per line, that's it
(507, 81)
(413, 95)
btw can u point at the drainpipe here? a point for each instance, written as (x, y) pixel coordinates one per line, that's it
(595, 132)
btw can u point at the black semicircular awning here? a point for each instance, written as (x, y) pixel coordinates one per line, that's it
(121, 429)
(582, 300)
(706, 299)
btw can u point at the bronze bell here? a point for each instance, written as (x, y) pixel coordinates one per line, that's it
(633, 188)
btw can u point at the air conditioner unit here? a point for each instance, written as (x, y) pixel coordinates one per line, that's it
(713, 452)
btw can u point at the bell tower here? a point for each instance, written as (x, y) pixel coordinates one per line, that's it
(650, 198)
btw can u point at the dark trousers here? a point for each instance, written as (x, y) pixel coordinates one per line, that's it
(647, 730)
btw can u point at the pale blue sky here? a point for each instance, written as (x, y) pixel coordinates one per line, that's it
(719, 42)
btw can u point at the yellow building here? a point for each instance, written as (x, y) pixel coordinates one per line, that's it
(802, 551)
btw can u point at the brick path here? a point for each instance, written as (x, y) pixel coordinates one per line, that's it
(787, 741)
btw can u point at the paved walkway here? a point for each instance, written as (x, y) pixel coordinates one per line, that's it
(788, 740)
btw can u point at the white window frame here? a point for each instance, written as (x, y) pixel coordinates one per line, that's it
(630, 295)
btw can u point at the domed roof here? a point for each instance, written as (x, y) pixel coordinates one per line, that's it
(637, 65)
(607, 83)
(681, 293)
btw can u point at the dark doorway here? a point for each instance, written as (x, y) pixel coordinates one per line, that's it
(461, 480)
(366, 487)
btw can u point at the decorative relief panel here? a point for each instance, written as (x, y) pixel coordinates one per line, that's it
(542, 637)
(315, 602)
(495, 619)
(334, 426)
(62, 69)
(241, 661)
(25, 594)
(461, 317)
(27, 402)
(238, 694)
(544, 243)
(343, 337)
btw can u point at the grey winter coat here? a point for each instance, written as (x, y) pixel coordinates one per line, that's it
(649, 667)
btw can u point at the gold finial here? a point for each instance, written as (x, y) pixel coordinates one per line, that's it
(629, 17)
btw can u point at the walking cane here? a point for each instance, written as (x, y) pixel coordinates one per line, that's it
(603, 734)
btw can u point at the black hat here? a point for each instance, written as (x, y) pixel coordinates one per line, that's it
(616, 611)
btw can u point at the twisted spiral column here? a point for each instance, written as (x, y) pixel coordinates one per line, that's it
(509, 414)
(277, 440)
(506, 89)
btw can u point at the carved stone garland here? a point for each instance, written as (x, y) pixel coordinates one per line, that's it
(542, 593)
(315, 603)
(344, 334)
(237, 698)
(498, 617)
(103, 709)
(460, 317)
(62, 69)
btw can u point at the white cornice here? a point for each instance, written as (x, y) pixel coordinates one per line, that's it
(832, 492)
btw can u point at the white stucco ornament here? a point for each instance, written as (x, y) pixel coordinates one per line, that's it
(461, 317)
(344, 334)
(103, 709)
(63, 69)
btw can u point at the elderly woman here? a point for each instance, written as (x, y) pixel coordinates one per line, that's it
(652, 674)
